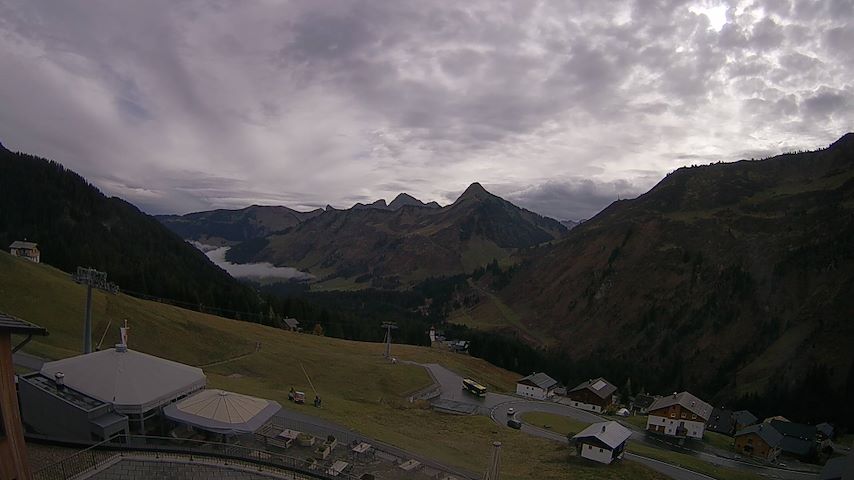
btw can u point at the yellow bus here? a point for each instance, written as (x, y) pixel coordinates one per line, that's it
(474, 388)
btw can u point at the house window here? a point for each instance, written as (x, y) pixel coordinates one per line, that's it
(673, 415)
(589, 447)
(683, 415)
(693, 417)
(600, 450)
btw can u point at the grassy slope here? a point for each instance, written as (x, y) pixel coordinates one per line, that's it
(493, 314)
(555, 423)
(358, 387)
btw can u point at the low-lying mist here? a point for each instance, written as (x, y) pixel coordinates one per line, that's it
(250, 270)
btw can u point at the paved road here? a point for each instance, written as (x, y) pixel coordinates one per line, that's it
(496, 405)
(27, 361)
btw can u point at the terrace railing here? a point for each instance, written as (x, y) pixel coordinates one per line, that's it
(165, 449)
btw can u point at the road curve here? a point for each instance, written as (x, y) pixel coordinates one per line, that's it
(495, 406)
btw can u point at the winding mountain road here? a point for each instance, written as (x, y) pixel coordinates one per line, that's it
(495, 406)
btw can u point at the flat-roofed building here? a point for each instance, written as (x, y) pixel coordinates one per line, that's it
(54, 410)
(137, 385)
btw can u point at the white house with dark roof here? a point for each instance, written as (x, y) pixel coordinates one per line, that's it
(537, 385)
(602, 442)
(679, 415)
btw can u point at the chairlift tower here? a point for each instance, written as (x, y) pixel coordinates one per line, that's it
(388, 327)
(495, 465)
(92, 279)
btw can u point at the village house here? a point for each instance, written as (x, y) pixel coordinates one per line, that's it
(759, 441)
(799, 440)
(13, 453)
(641, 403)
(679, 415)
(721, 421)
(537, 385)
(28, 250)
(291, 324)
(595, 395)
(743, 419)
(602, 442)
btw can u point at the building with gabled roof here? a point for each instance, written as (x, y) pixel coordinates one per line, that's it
(679, 415)
(602, 442)
(291, 324)
(760, 441)
(536, 385)
(642, 402)
(743, 419)
(28, 250)
(594, 395)
(721, 421)
(799, 440)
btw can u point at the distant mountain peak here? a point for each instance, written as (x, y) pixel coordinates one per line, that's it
(405, 199)
(475, 191)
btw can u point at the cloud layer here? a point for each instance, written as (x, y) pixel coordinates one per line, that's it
(560, 106)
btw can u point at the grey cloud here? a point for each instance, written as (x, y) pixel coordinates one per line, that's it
(573, 199)
(192, 105)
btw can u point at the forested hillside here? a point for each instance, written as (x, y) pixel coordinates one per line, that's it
(733, 280)
(77, 225)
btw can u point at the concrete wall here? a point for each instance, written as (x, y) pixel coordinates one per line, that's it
(49, 415)
(13, 450)
(598, 454)
(585, 406)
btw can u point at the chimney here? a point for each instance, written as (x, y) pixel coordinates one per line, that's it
(59, 378)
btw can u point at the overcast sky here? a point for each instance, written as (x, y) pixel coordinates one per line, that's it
(560, 107)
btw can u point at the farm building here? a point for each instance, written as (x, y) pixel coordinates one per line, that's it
(602, 442)
(595, 395)
(679, 415)
(13, 454)
(799, 440)
(721, 421)
(743, 419)
(28, 250)
(760, 441)
(536, 385)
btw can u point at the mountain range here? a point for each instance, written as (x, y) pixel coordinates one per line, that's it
(386, 246)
